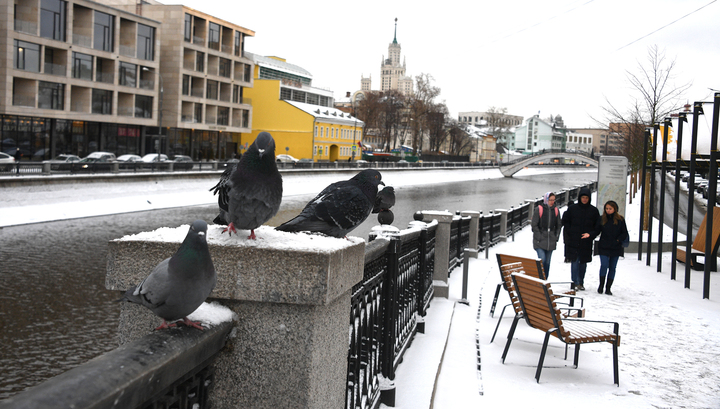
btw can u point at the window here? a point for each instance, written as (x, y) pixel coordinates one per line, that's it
(103, 32)
(128, 74)
(245, 118)
(200, 62)
(214, 36)
(145, 42)
(236, 94)
(143, 106)
(186, 85)
(52, 19)
(188, 27)
(101, 102)
(198, 113)
(225, 67)
(104, 70)
(223, 116)
(27, 56)
(212, 90)
(248, 73)
(82, 66)
(51, 95)
(238, 39)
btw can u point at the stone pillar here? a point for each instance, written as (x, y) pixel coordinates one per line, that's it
(46, 168)
(531, 203)
(442, 250)
(115, 167)
(171, 166)
(292, 300)
(503, 223)
(214, 165)
(474, 225)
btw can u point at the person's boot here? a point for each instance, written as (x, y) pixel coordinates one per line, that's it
(602, 284)
(607, 287)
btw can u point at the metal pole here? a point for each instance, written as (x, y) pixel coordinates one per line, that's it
(663, 170)
(642, 191)
(697, 111)
(710, 258)
(682, 117)
(652, 192)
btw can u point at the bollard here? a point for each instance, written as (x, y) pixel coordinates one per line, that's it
(487, 244)
(512, 227)
(468, 252)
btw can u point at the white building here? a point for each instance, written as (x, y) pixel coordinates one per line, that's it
(537, 135)
(580, 142)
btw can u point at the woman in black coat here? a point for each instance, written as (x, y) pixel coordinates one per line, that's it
(613, 231)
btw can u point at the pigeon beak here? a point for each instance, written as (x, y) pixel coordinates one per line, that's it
(262, 152)
(201, 233)
(382, 183)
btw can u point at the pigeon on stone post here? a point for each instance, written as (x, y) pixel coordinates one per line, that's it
(340, 207)
(384, 200)
(179, 284)
(250, 191)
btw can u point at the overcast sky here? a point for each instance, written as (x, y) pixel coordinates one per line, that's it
(553, 56)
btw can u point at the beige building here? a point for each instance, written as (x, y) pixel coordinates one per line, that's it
(81, 76)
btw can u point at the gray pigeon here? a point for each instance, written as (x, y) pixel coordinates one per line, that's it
(179, 284)
(251, 191)
(384, 200)
(340, 207)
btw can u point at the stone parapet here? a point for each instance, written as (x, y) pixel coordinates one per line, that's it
(291, 295)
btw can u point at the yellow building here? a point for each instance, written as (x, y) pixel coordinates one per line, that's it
(300, 118)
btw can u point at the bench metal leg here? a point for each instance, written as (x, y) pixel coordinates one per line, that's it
(498, 323)
(577, 354)
(542, 356)
(497, 294)
(615, 365)
(510, 336)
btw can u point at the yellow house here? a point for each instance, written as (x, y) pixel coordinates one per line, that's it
(300, 118)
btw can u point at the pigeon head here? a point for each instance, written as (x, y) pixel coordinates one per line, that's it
(370, 177)
(198, 229)
(264, 145)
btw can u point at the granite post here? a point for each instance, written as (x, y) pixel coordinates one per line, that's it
(442, 250)
(290, 342)
(503, 223)
(474, 226)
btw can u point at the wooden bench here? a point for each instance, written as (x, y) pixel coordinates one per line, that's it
(541, 312)
(532, 267)
(698, 245)
(505, 272)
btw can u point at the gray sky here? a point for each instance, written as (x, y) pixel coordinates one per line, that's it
(553, 56)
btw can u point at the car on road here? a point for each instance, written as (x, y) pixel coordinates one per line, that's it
(155, 157)
(182, 162)
(7, 162)
(129, 158)
(286, 158)
(96, 161)
(63, 161)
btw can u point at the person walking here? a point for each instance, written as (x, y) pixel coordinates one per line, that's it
(613, 231)
(580, 222)
(546, 228)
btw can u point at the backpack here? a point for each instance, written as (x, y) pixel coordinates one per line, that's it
(540, 210)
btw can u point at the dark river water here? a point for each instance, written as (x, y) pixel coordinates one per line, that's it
(55, 312)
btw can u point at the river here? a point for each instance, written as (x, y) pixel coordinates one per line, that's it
(55, 312)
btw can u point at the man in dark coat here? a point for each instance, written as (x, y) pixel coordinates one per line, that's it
(580, 221)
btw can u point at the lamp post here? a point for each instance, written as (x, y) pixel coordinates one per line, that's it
(160, 103)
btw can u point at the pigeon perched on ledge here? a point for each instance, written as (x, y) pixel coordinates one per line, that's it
(340, 207)
(250, 192)
(179, 284)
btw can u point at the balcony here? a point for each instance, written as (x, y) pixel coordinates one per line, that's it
(55, 69)
(81, 40)
(127, 51)
(147, 84)
(188, 119)
(27, 27)
(198, 40)
(126, 111)
(23, 101)
(105, 77)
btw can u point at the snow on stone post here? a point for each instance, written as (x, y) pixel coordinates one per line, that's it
(503, 224)
(291, 296)
(442, 250)
(474, 226)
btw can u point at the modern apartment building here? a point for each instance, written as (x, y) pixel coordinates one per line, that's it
(82, 76)
(537, 135)
(300, 117)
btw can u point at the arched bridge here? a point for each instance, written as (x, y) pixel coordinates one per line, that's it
(510, 168)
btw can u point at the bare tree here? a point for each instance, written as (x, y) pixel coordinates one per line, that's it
(436, 124)
(497, 123)
(420, 103)
(459, 140)
(656, 97)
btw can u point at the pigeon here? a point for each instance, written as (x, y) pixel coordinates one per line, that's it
(250, 191)
(179, 284)
(340, 207)
(384, 200)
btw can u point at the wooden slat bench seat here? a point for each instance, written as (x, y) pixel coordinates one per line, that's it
(541, 312)
(698, 245)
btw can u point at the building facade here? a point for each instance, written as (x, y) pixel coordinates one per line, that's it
(83, 76)
(579, 142)
(537, 135)
(392, 72)
(301, 118)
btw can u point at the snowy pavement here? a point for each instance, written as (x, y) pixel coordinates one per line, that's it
(668, 356)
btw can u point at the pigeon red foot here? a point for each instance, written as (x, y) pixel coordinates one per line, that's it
(230, 229)
(185, 321)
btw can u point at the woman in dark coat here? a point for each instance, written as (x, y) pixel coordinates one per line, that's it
(580, 222)
(546, 230)
(613, 231)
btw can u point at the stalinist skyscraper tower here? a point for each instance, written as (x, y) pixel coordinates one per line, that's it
(392, 73)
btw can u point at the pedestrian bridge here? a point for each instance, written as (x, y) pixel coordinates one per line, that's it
(511, 168)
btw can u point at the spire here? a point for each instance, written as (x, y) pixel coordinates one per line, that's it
(395, 39)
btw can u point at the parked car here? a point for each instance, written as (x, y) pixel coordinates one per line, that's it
(129, 158)
(62, 161)
(286, 159)
(100, 157)
(182, 162)
(7, 162)
(96, 161)
(154, 157)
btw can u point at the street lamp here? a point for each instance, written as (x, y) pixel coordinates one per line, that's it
(160, 103)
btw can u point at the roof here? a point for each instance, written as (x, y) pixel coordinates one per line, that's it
(326, 113)
(279, 64)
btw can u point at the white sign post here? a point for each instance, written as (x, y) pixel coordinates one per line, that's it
(612, 182)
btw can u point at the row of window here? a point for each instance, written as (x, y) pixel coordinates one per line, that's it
(324, 150)
(339, 133)
(289, 94)
(194, 32)
(193, 87)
